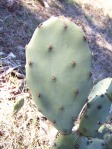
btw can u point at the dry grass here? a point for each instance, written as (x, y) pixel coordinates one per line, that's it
(29, 129)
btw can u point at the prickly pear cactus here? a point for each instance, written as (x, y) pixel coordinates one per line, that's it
(58, 71)
(97, 109)
(74, 141)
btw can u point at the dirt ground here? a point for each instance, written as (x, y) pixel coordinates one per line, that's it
(17, 24)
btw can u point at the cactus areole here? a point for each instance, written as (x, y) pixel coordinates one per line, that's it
(58, 71)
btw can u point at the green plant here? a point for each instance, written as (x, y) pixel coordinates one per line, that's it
(97, 109)
(58, 73)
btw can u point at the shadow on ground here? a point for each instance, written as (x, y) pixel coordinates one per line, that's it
(17, 25)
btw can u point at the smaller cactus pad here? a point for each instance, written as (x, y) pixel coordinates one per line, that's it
(97, 109)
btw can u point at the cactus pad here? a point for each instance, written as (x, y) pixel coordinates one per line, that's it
(58, 71)
(97, 109)
(74, 141)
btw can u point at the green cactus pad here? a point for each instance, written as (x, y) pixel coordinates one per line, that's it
(74, 141)
(97, 109)
(58, 71)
